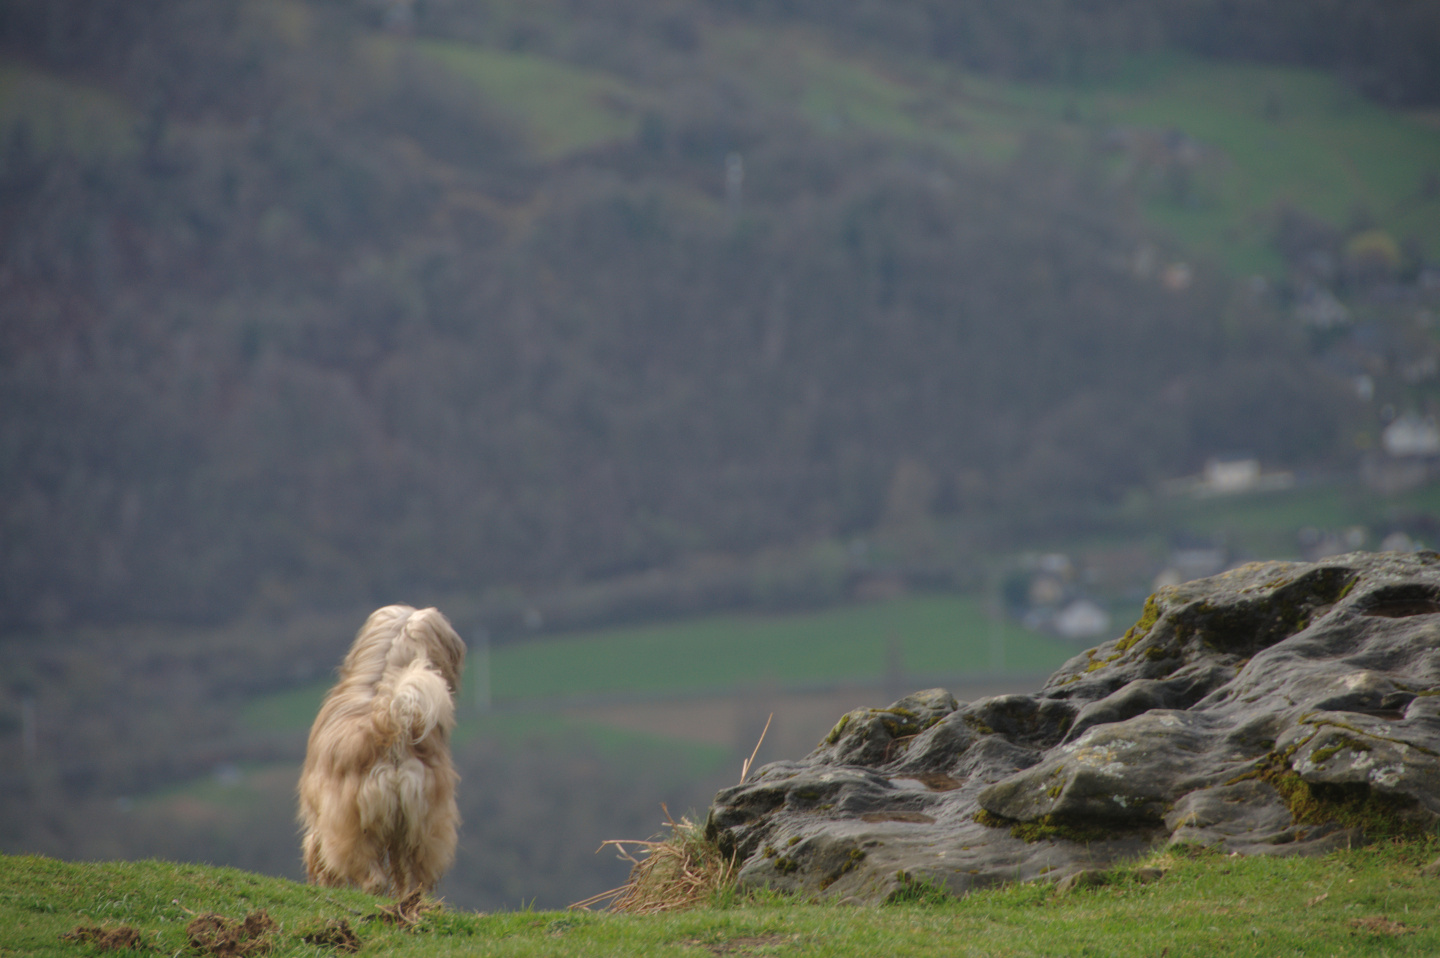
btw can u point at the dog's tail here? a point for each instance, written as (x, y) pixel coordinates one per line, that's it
(417, 703)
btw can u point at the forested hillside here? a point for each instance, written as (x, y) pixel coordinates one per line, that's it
(311, 303)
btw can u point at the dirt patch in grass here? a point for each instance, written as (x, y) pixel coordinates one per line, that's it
(223, 937)
(335, 933)
(1379, 925)
(123, 938)
(748, 945)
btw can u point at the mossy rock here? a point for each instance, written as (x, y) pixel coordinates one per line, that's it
(1278, 708)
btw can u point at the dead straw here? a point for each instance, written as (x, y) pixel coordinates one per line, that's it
(681, 870)
(745, 765)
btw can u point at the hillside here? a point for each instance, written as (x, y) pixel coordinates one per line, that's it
(312, 304)
(1362, 902)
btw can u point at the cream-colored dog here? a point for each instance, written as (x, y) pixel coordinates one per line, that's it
(377, 796)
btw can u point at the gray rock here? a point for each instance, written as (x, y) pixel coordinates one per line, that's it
(1279, 708)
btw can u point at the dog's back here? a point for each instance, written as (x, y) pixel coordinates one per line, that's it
(377, 795)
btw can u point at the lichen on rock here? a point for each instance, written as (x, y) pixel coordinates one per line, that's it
(1278, 708)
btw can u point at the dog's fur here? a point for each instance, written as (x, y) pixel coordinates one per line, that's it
(377, 796)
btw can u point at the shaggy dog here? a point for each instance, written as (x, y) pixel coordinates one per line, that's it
(377, 796)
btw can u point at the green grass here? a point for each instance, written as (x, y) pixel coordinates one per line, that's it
(939, 635)
(562, 108)
(1203, 906)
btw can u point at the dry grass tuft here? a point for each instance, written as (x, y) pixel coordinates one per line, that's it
(407, 911)
(680, 871)
(745, 766)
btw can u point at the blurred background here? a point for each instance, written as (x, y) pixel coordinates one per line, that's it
(701, 359)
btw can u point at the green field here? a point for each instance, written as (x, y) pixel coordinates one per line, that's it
(943, 636)
(562, 108)
(1374, 901)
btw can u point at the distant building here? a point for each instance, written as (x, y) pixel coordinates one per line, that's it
(1411, 435)
(1231, 475)
(1319, 308)
(1081, 619)
(1224, 476)
(1409, 457)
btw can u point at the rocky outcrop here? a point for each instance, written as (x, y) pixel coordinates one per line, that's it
(1279, 708)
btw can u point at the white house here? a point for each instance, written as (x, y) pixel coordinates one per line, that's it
(1411, 435)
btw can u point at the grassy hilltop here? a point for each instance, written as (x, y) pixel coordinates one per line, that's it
(1371, 901)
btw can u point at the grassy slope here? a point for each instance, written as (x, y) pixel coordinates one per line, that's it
(1203, 906)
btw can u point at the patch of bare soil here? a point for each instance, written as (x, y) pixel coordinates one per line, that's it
(107, 939)
(336, 934)
(222, 937)
(1379, 925)
(749, 945)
